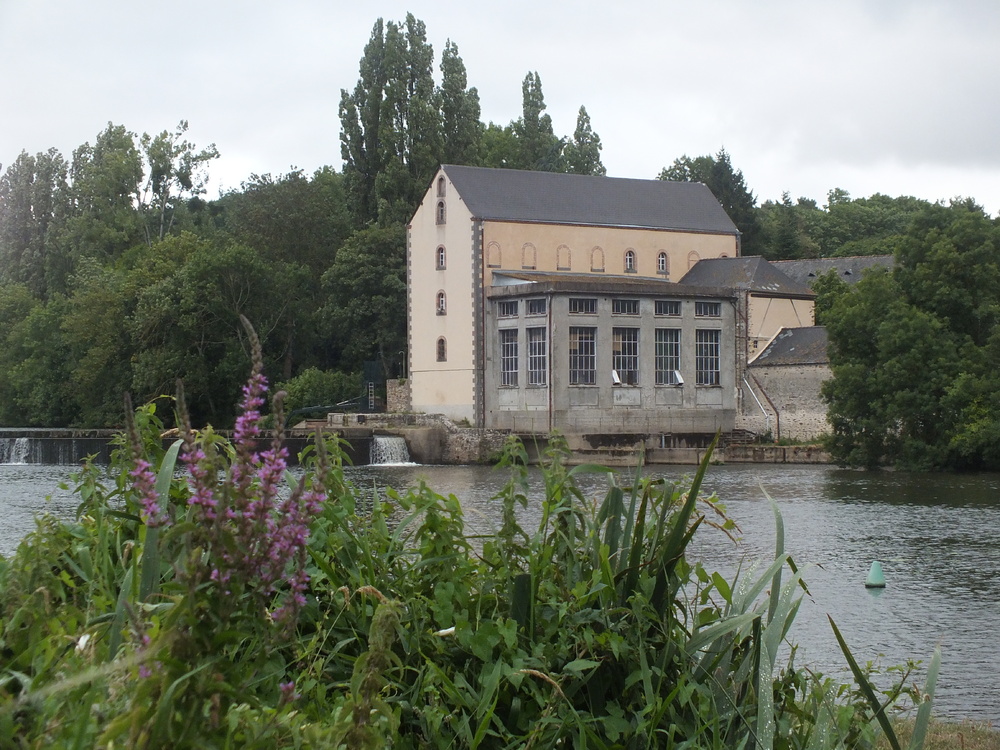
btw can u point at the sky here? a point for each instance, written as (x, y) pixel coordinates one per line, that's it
(900, 97)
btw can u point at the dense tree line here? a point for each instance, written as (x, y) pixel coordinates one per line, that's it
(118, 275)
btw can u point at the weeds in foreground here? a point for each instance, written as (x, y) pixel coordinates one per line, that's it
(237, 606)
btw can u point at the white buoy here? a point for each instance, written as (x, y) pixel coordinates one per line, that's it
(875, 578)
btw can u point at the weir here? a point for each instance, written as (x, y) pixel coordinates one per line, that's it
(52, 450)
(389, 449)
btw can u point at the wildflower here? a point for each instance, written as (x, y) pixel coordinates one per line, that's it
(143, 477)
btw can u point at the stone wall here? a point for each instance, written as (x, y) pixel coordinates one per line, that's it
(397, 396)
(794, 391)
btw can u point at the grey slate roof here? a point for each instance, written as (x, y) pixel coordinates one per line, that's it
(795, 346)
(849, 269)
(553, 198)
(751, 273)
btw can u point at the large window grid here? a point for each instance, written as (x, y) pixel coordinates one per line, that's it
(668, 356)
(582, 355)
(708, 309)
(625, 355)
(538, 356)
(668, 307)
(508, 357)
(707, 356)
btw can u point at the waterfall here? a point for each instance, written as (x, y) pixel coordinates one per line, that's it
(15, 450)
(388, 449)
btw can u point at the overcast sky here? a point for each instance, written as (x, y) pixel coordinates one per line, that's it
(890, 96)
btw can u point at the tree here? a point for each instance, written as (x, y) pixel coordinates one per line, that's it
(175, 172)
(391, 139)
(366, 289)
(729, 188)
(538, 146)
(34, 201)
(915, 353)
(583, 153)
(461, 129)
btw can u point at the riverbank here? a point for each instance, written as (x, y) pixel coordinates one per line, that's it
(949, 735)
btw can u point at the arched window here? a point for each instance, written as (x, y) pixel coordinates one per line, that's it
(693, 259)
(662, 266)
(440, 212)
(442, 350)
(529, 256)
(442, 304)
(441, 183)
(630, 261)
(563, 258)
(597, 259)
(493, 255)
(441, 258)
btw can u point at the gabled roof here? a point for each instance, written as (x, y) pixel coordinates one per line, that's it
(794, 346)
(554, 198)
(849, 269)
(750, 273)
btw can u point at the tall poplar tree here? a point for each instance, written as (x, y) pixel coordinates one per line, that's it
(538, 146)
(583, 153)
(461, 128)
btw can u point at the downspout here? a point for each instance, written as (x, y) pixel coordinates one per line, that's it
(767, 417)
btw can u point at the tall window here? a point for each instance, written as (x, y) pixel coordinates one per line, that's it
(508, 356)
(625, 354)
(529, 256)
(442, 257)
(442, 350)
(597, 259)
(661, 263)
(440, 212)
(442, 304)
(630, 261)
(707, 356)
(668, 356)
(582, 355)
(493, 255)
(563, 258)
(441, 184)
(538, 356)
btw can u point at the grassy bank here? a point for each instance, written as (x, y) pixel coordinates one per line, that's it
(948, 735)
(238, 606)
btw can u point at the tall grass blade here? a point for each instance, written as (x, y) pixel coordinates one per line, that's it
(118, 621)
(924, 712)
(866, 688)
(150, 575)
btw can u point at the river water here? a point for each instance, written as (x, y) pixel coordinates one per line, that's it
(936, 536)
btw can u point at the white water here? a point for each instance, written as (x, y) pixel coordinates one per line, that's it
(15, 450)
(388, 450)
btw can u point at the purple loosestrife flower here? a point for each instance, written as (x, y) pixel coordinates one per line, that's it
(143, 477)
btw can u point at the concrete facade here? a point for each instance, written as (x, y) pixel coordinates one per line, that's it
(625, 321)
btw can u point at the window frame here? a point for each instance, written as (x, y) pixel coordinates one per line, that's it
(507, 308)
(508, 341)
(624, 307)
(667, 355)
(662, 263)
(588, 302)
(661, 309)
(442, 302)
(535, 303)
(708, 356)
(707, 309)
(582, 351)
(625, 353)
(538, 355)
(442, 349)
(442, 258)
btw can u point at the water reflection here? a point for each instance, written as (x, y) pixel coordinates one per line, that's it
(937, 537)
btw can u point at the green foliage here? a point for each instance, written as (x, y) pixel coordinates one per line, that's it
(593, 629)
(315, 387)
(914, 352)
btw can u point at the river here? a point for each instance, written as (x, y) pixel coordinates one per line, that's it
(937, 537)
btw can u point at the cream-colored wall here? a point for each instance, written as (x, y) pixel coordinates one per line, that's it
(683, 249)
(441, 387)
(767, 316)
